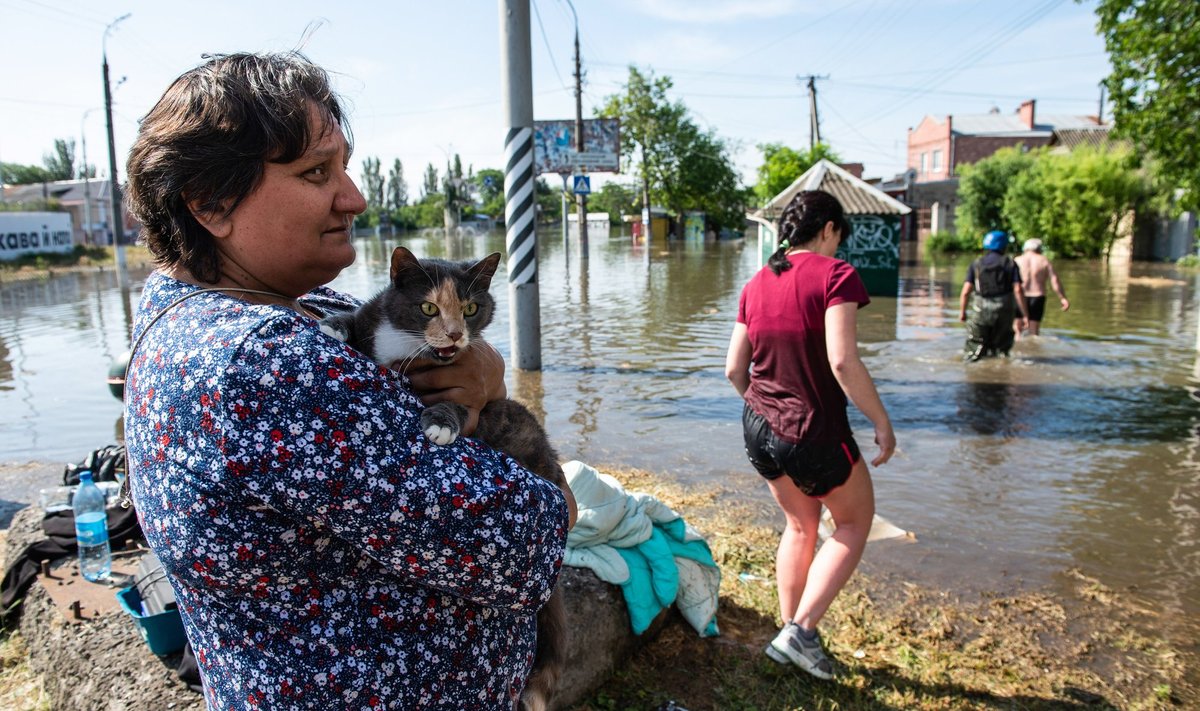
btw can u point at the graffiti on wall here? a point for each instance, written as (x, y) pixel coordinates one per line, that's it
(874, 244)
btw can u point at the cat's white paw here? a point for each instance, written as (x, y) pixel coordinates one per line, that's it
(440, 435)
(337, 333)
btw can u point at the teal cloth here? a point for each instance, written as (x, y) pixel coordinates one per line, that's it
(635, 541)
(653, 582)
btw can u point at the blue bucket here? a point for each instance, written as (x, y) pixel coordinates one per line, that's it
(163, 632)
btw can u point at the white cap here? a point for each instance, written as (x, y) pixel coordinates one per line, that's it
(1032, 245)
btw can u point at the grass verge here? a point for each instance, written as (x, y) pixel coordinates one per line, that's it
(897, 646)
(32, 266)
(20, 688)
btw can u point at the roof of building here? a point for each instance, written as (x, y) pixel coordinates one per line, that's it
(856, 196)
(1011, 125)
(65, 191)
(1072, 138)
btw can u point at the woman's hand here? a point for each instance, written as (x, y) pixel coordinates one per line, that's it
(885, 438)
(473, 380)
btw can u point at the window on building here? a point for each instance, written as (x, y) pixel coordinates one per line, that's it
(924, 163)
(937, 161)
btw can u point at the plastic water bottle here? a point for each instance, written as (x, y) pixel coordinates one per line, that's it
(91, 530)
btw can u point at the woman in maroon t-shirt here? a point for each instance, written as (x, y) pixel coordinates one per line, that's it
(794, 358)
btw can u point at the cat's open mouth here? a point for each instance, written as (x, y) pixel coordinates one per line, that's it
(445, 354)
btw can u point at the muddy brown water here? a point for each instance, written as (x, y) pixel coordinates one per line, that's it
(1081, 451)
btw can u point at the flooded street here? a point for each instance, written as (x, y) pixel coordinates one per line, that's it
(1081, 451)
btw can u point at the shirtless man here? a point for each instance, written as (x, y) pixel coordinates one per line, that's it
(1035, 270)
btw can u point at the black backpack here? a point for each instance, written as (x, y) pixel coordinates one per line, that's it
(104, 463)
(995, 279)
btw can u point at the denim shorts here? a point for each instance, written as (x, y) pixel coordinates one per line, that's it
(816, 469)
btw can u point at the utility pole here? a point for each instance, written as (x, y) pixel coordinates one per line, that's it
(581, 199)
(87, 192)
(118, 226)
(516, 82)
(647, 221)
(1100, 110)
(814, 121)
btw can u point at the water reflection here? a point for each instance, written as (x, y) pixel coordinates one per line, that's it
(992, 408)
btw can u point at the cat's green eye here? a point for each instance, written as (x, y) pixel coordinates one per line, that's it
(470, 309)
(429, 308)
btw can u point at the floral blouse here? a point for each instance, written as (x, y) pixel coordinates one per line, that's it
(324, 553)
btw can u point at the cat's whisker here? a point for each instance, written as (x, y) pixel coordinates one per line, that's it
(425, 348)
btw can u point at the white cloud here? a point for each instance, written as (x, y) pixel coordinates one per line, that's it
(682, 49)
(714, 11)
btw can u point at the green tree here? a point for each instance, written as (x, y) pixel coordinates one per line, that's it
(455, 186)
(17, 174)
(372, 183)
(372, 189)
(617, 200)
(60, 165)
(489, 186)
(1154, 50)
(1077, 203)
(676, 161)
(549, 201)
(782, 165)
(708, 182)
(397, 188)
(982, 187)
(49, 205)
(429, 185)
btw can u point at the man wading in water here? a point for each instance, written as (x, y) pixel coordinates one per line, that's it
(996, 281)
(1036, 270)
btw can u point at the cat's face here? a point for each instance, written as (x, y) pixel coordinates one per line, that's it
(442, 305)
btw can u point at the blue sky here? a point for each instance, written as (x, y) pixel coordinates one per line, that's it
(422, 78)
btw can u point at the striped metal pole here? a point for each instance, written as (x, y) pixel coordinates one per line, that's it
(520, 205)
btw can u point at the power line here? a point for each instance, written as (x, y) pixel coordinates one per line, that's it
(546, 40)
(808, 25)
(759, 78)
(876, 149)
(972, 57)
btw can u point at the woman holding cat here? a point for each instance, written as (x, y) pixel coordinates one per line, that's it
(793, 357)
(324, 553)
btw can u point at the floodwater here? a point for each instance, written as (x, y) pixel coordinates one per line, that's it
(1081, 451)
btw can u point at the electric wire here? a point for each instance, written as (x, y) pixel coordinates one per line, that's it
(546, 41)
(972, 57)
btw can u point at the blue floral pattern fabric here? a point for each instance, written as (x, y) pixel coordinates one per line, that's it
(324, 553)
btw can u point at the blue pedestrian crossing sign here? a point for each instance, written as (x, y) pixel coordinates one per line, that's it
(583, 184)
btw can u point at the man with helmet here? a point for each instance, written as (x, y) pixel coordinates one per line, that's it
(996, 281)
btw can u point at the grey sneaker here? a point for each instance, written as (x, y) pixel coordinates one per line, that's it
(791, 646)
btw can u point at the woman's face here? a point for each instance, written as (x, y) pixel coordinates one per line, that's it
(292, 232)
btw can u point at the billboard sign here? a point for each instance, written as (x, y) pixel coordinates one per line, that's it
(554, 147)
(24, 233)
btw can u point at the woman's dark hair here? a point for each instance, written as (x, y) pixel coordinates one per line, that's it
(802, 220)
(207, 141)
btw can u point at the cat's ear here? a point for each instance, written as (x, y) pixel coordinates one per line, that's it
(482, 271)
(402, 261)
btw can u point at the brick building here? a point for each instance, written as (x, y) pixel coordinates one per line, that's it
(938, 148)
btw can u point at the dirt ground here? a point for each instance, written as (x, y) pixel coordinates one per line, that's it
(897, 645)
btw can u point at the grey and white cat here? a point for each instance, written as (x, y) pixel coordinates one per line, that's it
(434, 309)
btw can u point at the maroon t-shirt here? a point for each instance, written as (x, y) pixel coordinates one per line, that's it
(791, 383)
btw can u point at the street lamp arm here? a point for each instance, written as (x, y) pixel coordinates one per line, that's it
(107, 30)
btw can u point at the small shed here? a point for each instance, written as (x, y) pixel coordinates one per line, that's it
(874, 245)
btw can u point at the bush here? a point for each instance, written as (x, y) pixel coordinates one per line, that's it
(948, 242)
(1191, 261)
